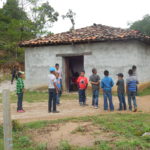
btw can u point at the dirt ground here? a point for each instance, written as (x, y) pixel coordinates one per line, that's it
(77, 133)
(68, 108)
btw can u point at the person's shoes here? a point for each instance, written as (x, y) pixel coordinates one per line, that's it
(81, 104)
(135, 110)
(96, 107)
(56, 111)
(119, 109)
(20, 111)
(84, 104)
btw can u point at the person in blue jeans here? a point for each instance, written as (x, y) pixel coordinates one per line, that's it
(107, 84)
(58, 84)
(95, 82)
(131, 88)
(121, 92)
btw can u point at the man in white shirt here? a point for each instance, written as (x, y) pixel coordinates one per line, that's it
(58, 70)
(53, 90)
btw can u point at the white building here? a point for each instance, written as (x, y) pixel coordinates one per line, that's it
(96, 46)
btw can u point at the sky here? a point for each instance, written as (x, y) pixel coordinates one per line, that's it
(116, 13)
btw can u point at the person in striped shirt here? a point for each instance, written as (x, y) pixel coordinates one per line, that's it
(131, 88)
(20, 91)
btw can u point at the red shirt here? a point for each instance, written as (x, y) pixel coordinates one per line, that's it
(82, 82)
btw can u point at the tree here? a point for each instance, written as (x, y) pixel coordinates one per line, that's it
(14, 27)
(43, 17)
(142, 25)
(70, 15)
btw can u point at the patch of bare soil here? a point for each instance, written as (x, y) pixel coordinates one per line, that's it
(69, 108)
(76, 133)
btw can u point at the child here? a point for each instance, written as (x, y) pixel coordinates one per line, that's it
(107, 84)
(121, 92)
(131, 89)
(82, 84)
(95, 82)
(58, 84)
(53, 90)
(20, 91)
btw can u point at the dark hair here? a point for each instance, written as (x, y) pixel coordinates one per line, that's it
(106, 72)
(56, 64)
(19, 74)
(94, 70)
(130, 72)
(133, 67)
(83, 71)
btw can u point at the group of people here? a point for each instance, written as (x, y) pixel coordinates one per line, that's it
(106, 84)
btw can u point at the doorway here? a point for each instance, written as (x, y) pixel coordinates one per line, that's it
(73, 66)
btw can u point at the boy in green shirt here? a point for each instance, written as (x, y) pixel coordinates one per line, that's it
(20, 91)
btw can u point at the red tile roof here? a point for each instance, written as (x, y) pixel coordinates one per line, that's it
(95, 33)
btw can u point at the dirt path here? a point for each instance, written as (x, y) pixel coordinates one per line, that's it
(68, 108)
(7, 85)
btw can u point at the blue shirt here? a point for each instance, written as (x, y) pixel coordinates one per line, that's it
(58, 83)
(107, 83)
(132, 83)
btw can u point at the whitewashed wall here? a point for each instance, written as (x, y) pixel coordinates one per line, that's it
(113, 56)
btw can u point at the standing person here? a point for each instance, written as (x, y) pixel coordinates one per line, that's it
(95, 82)
(107, 84)
(53, 90)
(82, 85)
(58, 84)
(14, 74)
(131, 85)
(134, 69)
(20, 91)
(121, 92)
(58, 70)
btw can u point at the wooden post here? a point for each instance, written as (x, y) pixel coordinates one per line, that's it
(7, 125)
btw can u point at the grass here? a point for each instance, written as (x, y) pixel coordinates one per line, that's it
(144, 92)
(127, 129)
(35, 96)
(5, 78)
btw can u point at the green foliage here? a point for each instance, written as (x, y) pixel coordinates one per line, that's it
(16, 126)
(71, 16)
(64, 145)
(44, 16)
(142, 25)
(1, 131)
(16, 26)
(24, 141)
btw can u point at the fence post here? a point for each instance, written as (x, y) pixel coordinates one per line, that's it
(7, 125)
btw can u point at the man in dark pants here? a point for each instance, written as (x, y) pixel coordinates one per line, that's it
(131, 88)
(95, 82)
(53, 90)
(14, 73)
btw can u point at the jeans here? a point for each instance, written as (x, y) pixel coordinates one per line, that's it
(132, 97)
(82, 96)
(20, 99)
(108, 95)
(122, 102)
(95, 97)
(52, 100)
(58, 95)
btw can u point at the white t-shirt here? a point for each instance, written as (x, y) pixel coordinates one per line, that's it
(60, 73)
(51, 81)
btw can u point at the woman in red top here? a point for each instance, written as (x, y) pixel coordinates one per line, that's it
(82, 85)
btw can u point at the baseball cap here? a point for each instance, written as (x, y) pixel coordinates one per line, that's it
(120, 74)
(51, 69)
